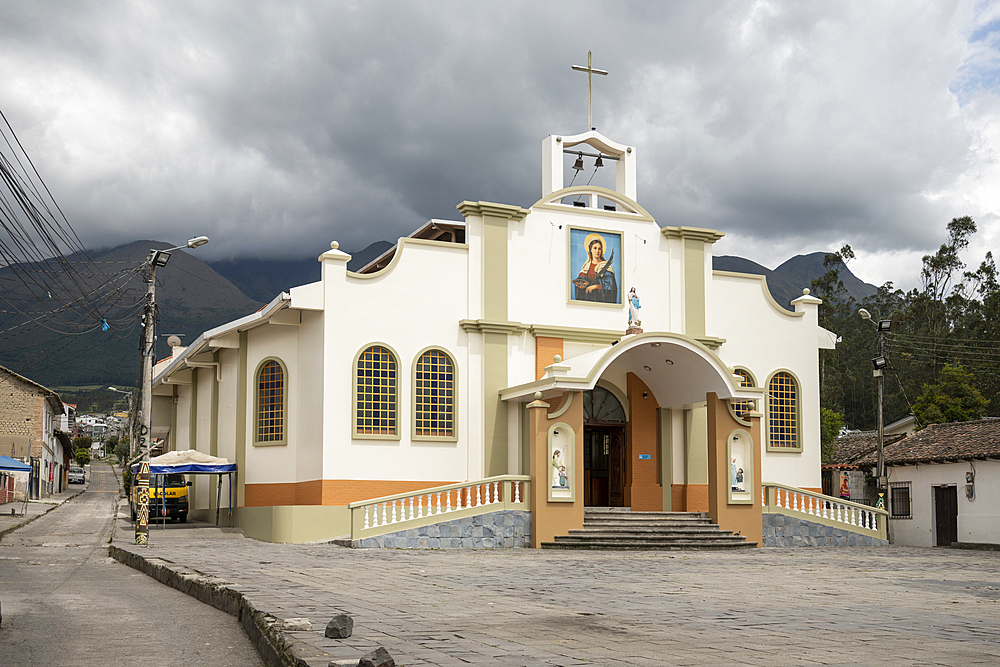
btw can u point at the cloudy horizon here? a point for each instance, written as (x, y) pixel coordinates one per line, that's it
(275, 128)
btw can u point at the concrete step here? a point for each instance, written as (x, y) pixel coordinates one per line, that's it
(704, 523)
(651, 545)
(644, 516)
(648, 532)
(651, 539)
(621, 528)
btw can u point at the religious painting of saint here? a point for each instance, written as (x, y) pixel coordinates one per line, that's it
(595, 261)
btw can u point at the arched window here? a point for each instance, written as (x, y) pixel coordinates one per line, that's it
(375, 392)
(434, 396)
(600, 406)
(782, 412)
(741, 408)
(271, 402)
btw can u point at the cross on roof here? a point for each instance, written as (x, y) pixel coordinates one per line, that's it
(589, 69)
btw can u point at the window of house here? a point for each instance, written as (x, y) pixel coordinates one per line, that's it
(783, 412)
(434, 395)
(271, 402)
(376, 404)
(741, 408)
(899, 500)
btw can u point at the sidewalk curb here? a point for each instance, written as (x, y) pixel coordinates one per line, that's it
(274, 647)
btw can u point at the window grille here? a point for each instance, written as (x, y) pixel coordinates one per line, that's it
(271, 403)
(782, 411)
(742, 408)
(434, 395)
(899, 500)
(376, 392)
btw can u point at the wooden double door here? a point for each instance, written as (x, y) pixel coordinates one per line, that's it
(604, 466)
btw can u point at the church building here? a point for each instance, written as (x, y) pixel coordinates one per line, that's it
(574, 341)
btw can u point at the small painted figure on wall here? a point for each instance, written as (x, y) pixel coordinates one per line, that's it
(558, 471)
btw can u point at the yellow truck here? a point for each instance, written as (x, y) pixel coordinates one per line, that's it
(173, 505)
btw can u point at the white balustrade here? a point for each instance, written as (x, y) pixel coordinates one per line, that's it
(823, 507)
(380, 515)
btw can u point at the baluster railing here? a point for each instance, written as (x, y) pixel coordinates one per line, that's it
(850, 515)
(380, 515)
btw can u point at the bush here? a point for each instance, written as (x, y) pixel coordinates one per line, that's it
(82, 456)
(127, 480)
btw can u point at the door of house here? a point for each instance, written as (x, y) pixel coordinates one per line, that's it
(604, 463)
(946, 514)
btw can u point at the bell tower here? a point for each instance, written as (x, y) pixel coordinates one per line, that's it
(555, 146)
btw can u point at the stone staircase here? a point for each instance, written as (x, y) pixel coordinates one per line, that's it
(621, 528)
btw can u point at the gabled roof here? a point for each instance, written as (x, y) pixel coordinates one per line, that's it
(48, 392)
(433, 230)
(853, 449)
(943, 443)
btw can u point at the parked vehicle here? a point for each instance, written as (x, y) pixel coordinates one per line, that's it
(173, 505)
(77, 475)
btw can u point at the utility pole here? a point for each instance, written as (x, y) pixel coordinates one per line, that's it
(156, 259)
(880, 381)
(880, 363)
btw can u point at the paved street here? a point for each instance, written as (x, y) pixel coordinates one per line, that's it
(65, 602)
(847, 606)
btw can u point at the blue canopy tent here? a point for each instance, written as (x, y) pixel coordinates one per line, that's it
(8, 465)
(193, 462)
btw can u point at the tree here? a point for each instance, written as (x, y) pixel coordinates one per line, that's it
(953, 398)
(121, 451)
(835, 315)
(830, 423)
(83, 442)
(82, 456)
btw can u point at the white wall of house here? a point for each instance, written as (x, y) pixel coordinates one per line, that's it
(229, 360)
(539, 272)
(266, 463)
(412, 305)
(763, 338)
(978, 519)
(204, 485)
(311, 392)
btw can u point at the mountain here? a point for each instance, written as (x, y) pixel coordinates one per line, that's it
(66, 345)
(38, 340)
(264, 279)
(787, 281)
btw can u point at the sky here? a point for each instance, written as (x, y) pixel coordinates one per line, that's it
(277, 127)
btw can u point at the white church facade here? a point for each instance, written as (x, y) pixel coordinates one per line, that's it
(461, 353)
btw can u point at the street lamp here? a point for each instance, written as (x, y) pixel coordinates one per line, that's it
(156, 258)
(880, 363)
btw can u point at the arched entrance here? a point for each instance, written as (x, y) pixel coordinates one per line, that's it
(604, 449)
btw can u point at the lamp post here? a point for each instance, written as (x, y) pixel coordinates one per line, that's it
(880, 363)
(157, 258)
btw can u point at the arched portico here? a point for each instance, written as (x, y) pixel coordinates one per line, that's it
(657, 373)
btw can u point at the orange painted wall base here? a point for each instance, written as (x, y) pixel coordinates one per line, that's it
(329, 491)
(689, 497)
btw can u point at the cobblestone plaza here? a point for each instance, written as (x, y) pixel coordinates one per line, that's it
(829, 606)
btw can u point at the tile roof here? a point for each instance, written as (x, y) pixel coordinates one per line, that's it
(941, 443)
(853, 448)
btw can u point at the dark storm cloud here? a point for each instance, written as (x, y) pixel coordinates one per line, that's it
(277, 127)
